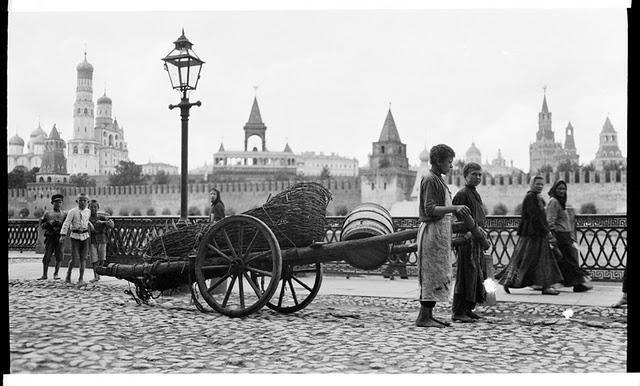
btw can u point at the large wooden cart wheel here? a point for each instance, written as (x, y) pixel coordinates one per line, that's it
(231, 254)
(299, 285)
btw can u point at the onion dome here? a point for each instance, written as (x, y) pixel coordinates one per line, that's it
(84, 66)
(16, 140)
(38, 135)
(473, 150)
(424, 155)
(104, 100)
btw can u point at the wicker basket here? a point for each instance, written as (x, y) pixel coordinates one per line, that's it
(296, 216)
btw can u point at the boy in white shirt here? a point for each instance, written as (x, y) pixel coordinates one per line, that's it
(78, 227)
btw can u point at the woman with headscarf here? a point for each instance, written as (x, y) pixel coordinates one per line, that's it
(567, 254)
(532, 262)
(217, 206)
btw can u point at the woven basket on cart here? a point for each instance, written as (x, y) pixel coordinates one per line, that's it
(296, 216)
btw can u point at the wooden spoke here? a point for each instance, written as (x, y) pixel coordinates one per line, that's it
(241, 291)
(240, 236)
(252, 284)
(228, 240)
(293, 293)
(219, 252)
(259, 271)
(256, 256)
(302, 284)
(281, 294)
(226, 296)
(220, 281)
(250, 246)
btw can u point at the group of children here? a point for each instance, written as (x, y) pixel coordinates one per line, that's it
(84, 226)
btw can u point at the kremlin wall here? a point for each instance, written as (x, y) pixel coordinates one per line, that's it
(609, 197)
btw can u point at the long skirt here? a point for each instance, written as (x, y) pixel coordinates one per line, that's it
(532, 263)
(568, 260)
(434, 260)
(469, 288)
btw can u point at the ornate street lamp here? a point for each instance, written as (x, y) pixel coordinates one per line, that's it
(183, 67)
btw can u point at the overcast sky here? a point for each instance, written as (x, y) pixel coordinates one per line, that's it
(326, 78)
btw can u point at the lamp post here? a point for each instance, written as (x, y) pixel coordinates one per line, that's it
(183, 67)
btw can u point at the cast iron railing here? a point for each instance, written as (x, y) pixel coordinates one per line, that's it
(602, 240)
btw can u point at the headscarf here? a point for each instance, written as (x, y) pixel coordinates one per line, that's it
(532, 183)
(553, 193)
(217, 200)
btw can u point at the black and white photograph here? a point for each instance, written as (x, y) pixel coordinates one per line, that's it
(231, 189)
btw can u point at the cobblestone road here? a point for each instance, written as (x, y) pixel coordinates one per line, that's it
(56, 328)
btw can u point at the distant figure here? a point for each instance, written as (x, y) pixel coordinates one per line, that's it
(398, 264)
(469, 289)
(434, 236)
(77, 226)
(98, 244)
(532, 262)
(623, 299)
(52, 222)
(217, 206)
(568, 255)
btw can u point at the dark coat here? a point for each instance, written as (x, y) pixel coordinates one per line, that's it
(533, 221)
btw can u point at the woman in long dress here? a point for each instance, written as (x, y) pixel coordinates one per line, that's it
(532, 262)
(434, 236)
(567, 255)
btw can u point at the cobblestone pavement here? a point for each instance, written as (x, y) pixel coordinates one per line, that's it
(58, 328)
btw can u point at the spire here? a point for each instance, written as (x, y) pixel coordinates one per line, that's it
(545, 109)
(569, 143)
(254, 117)
(287, 149)
(389, 131)
(221, 147)
(608, 127)
(54, 133)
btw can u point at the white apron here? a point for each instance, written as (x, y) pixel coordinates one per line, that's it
(435, 257)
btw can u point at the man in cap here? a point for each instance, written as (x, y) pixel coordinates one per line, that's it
(52, 222)
(78, 227)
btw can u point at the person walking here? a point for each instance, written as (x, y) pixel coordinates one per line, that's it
(469, 289)
(532, 262)
(77, 227)
(52, 222)
(217, 206)
(567, 255)
(434, 236)
(98, 237)
(623, 299)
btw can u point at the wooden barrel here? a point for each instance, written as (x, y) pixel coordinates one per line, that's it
(367, 220)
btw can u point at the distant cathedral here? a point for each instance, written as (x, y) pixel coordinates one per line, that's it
(98, 143)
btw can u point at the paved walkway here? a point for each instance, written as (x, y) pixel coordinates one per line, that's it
(26, 265)
(356, 325)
